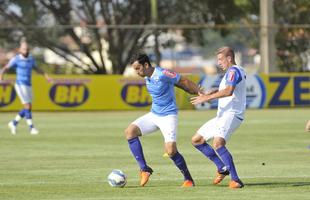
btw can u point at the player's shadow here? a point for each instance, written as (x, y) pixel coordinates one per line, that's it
(282, 184)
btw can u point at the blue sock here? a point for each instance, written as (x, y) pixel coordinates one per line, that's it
(136, 150)
(208, 151)
(20, 115)
(228, 161)
(181, 164)
(28, 116)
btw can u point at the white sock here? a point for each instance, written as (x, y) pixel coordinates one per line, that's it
(18, 118)
(29, 122)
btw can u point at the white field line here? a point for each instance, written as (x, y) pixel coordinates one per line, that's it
(153, 179)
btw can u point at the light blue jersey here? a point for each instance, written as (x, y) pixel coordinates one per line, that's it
(23, 67)
(161, 87)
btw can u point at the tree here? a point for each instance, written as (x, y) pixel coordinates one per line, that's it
(293, 43)
(44, 22)
(292, 39)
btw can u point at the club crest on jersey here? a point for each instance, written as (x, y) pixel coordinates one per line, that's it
(231, 75)
(169, 73)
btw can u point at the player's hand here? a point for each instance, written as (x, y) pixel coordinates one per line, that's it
(199, 99)
(48, 78)
(201, 89)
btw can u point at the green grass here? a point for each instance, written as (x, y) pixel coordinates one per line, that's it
(74, 152)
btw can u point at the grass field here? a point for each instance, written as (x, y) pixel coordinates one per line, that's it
(74, 153)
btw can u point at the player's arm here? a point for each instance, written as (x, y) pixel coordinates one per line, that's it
(212, 91)
(3, 70)
(40, 71)
(188, 86)
(228, 91)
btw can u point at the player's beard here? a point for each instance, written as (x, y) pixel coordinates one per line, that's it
(25, 54)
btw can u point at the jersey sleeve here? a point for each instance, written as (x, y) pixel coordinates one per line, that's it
(170, 76)
(34, 64)
(12, 62)
(233, 76)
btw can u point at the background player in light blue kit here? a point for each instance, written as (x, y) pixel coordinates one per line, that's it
(23, 63)
(230, 114)
(160, 84)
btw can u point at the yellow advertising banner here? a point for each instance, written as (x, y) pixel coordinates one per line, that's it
(115, 92)
(287, 89)
(90, 92)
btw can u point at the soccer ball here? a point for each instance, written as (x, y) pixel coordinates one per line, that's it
(117, 178)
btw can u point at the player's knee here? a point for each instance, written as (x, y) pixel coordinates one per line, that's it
(218, 143)
(197, 139)
(171, 152)
(27, 106)
(128, 133)
(131, 132)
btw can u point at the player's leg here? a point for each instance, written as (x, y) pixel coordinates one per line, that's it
(139, 127)
(13, 124)
(18, 117)
(179, 161)
(229, 125)
(199, 142)
(28, 116)
(21, 92)
(24, 93)
(168, 126)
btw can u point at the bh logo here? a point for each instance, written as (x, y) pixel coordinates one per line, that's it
(136, 95)
(69, 94)
(7, 94)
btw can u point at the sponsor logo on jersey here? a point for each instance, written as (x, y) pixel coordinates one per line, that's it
(169, 73)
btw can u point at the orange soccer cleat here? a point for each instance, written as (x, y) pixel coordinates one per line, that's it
(220, 176)
(188, 183)
(145, 176)
(235, 184)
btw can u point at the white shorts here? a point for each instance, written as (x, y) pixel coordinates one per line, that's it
(220, 127)
(24, 93)
(150, 122)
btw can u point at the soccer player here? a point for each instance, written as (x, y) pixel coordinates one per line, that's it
(160, 84)
(230, 114)
(23, 63)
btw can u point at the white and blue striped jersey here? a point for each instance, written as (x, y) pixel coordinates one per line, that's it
(23, 66)
(161, 87)
(236, 103)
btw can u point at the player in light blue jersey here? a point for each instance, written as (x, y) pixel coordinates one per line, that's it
(23, 63)
(160, 85)
(231, 108)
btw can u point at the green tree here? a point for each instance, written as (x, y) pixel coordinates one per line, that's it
(45, 22)
(293, 44)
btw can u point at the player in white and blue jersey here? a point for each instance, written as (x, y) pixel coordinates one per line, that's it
(23, 63)
(163, 116)
(231, 108)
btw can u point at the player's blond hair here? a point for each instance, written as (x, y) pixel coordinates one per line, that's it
(227, 51)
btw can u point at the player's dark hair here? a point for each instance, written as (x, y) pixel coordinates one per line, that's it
(226, 51)
(141, 58)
